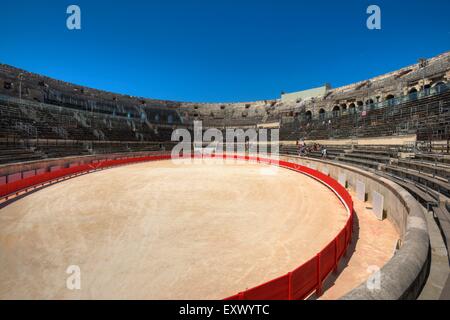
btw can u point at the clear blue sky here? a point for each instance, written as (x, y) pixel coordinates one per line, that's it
(214, 50)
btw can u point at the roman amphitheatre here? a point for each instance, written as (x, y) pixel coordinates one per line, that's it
(350, 201)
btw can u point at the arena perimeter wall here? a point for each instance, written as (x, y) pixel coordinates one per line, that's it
(298, 284)
(401, 278)
(404, 276)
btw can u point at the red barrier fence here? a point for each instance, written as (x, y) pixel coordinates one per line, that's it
(298, 284)
(307, 278)
(22, 181)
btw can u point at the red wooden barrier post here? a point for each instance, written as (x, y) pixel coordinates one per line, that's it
(319, 280)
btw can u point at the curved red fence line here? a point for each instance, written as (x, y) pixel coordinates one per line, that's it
(306, 279)
(298, 284)
(19, 182)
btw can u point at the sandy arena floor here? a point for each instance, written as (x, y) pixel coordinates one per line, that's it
(372, 247)
(164, 231)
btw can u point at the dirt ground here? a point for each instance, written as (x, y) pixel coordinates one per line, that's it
(372, 246)
(164, 231)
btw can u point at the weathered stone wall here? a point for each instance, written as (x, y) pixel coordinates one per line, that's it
(378, 89)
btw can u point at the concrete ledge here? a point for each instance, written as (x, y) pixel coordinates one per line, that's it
(383, 141)
(404, 276)
(12, 168)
